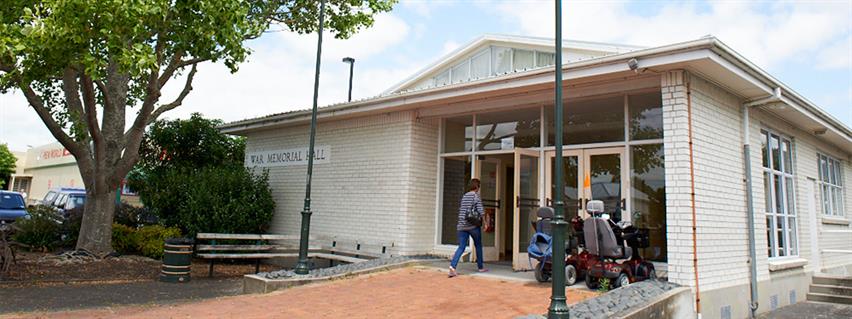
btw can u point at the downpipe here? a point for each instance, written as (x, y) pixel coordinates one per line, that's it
(752, 251)
(692, 197)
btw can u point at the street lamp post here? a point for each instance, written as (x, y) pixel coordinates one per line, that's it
(558, 305)
(351, 62)
(302, 267)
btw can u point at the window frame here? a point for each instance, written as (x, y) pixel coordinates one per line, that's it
(784, 171)
(835, 205)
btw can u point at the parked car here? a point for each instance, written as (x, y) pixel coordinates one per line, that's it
(12, 207)
(65, 199)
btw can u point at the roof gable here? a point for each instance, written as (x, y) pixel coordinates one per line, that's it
(491, 47)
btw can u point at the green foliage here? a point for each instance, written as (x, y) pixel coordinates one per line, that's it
(603, 286)
(7, 164)
(147, 240)
(70, 227)
(192, 176)
(122, 239)
(45, 37)
(41, 231)
(132, 216)
(214, 199)
(187, 145)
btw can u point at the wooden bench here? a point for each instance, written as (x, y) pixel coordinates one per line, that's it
(283, 246)
(350, 250)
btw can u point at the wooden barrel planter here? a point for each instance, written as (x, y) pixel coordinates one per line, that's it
(177, 258)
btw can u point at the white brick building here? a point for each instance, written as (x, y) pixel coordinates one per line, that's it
(662, 145)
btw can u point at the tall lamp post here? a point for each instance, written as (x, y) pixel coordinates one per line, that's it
(302, 267)
(351, 62)
(558, 305)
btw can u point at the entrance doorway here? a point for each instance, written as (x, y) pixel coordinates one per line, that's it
(591, 174)
(510, 195)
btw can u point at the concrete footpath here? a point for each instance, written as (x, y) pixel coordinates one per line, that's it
(810, 310)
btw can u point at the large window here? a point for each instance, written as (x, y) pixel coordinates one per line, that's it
(508, 130)
(597, 120)
(780, 195)
(831, 185)
(456, 174)
(458, 134)
(490, 61)
(648, 196)
(646, 116)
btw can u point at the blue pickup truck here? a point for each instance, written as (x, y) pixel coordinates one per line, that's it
(12, 207)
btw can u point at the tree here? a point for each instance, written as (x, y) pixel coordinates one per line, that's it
(7, 164)
(84, 64)
(192, 176)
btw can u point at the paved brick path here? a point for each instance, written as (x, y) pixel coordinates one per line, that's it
(401, 293)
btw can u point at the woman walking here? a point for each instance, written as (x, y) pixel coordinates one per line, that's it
(471, 204)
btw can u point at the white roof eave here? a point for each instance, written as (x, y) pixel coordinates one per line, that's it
(705, 48)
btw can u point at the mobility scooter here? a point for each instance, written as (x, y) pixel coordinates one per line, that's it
(620, 260)
(541, 248)
(611, 250)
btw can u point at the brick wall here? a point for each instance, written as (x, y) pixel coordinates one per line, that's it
(678, 205)
(720, 189)
(369, 190)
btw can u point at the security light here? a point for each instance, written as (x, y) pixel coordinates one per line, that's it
(633, 64)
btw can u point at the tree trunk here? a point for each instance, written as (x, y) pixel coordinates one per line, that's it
(96, 229)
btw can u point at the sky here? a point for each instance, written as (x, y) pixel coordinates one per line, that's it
(807, 45)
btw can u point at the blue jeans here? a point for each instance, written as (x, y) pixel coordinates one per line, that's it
(476, 233)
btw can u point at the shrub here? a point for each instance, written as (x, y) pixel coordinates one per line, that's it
(70, 227)
(215, 199)
(129, 215)
(149, 240)
(122, 239)
(41, 231)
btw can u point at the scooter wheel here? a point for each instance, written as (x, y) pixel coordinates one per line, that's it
(570, 275)
(592, 282)
(622, 280)
(541, 275)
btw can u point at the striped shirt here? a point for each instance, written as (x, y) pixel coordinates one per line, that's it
(469, 199)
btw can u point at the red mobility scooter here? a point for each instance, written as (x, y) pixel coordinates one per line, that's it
(610, 250)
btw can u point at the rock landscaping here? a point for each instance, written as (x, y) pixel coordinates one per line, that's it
(343, 268)
(617, 300)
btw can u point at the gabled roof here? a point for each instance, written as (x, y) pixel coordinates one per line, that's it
(584, 48)
(707, 57)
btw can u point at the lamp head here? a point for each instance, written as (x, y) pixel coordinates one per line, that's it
(633, 64)
(348, 60)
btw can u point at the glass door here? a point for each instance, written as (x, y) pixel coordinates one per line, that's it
(572, 170)
(526, 201)
(605, 171)
(488, 172)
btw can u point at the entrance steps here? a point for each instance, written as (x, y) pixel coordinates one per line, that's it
(829, 288)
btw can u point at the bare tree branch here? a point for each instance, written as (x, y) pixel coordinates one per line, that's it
(105, 94)
(91, 108)
(78, 150)
(179, 100)
(72, 94)
(171, 68)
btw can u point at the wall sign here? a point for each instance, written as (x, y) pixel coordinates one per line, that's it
(288, 157)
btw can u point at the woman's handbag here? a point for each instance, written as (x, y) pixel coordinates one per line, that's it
(472, 217)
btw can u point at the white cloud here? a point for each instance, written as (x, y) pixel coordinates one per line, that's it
(837, 55)
(765, 33)
(277, 77)
(19, 124)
